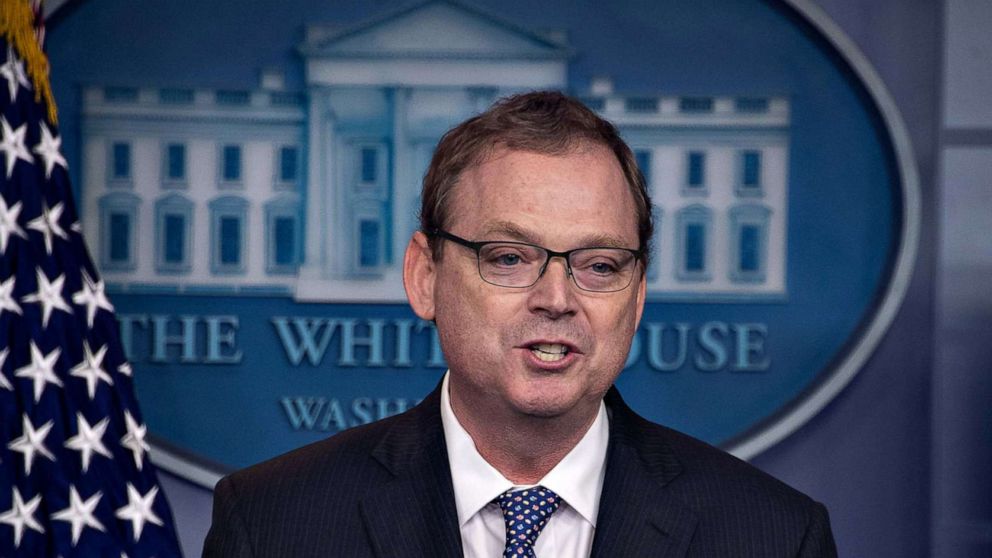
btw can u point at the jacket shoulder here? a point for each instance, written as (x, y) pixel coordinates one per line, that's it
(740, 509)
(263, 509)
(691, 464)
(728, 475)
(339, 464)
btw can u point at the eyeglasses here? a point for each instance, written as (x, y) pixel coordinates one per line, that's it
(519, 265)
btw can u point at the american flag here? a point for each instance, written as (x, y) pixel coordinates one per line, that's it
(75, 476)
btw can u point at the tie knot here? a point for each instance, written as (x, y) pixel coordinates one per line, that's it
(525, 513)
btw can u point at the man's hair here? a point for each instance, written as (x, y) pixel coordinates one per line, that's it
(546, 122)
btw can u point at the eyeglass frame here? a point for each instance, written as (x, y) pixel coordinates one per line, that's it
(477, 247)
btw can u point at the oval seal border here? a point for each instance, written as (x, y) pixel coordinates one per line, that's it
(792, 417)
(773, 430)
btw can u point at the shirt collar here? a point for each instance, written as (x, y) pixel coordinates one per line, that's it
(577, 478)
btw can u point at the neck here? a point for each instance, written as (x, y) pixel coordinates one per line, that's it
(523, 448)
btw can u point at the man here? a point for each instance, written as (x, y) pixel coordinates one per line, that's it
(530, 260)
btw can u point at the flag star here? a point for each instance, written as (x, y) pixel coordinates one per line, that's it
(139, 509)
(90, 369)
(8, 223)
(48, 149)
(125, 369)
(134, 440)
(21, 515)
(89, 440)
(13, 72)
(12, 144)
(31, 442)
(93, 297)
(49, 295)
(80, 513)
(7, 302)
(3, 379)
(41, 370)
(48, 224)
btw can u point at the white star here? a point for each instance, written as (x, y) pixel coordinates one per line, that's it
(125, 369)
(13, 72)
(92, 296)
(21, 515)
(134, 440)
(80, 513)
(32, 441)
(48, 150)
(3, 379)
(8, 223)
(41, 370)
(90, 369)
(12, 144)
(48, 224)
(139, 509)
(49, 295)
(7, 302)
(89, 440)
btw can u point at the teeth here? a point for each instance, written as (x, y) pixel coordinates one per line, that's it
(546, 357)
(549, 352)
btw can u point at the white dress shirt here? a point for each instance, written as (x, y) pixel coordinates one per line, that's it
(577, 479)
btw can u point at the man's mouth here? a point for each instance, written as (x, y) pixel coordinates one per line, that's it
(549, 352)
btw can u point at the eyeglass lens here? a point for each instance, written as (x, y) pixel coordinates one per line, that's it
(521, 265)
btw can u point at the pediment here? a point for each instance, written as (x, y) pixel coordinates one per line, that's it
(435, 29)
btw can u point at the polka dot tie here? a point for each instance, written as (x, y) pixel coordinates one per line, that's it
(525, 513)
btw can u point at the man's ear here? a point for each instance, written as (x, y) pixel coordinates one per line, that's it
(642, 290)
(419, 274)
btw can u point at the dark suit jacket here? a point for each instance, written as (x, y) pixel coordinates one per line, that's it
(384, 489)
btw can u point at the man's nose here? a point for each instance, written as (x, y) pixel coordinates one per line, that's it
(554, 294)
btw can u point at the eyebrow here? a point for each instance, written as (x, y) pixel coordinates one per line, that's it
(497, 229)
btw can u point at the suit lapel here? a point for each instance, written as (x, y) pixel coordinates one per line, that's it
(637, 516)
(414, 514)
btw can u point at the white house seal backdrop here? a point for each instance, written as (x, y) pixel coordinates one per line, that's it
(249, 178)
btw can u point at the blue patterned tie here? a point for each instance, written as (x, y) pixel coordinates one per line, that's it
(525, 513)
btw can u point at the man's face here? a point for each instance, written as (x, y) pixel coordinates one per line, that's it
(494, 337)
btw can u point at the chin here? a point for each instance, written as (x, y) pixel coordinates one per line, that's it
(547, 405)
(543, 413)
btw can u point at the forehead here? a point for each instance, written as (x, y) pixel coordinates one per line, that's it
(577, 198)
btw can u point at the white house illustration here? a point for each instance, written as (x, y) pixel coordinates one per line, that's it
(313, 194)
